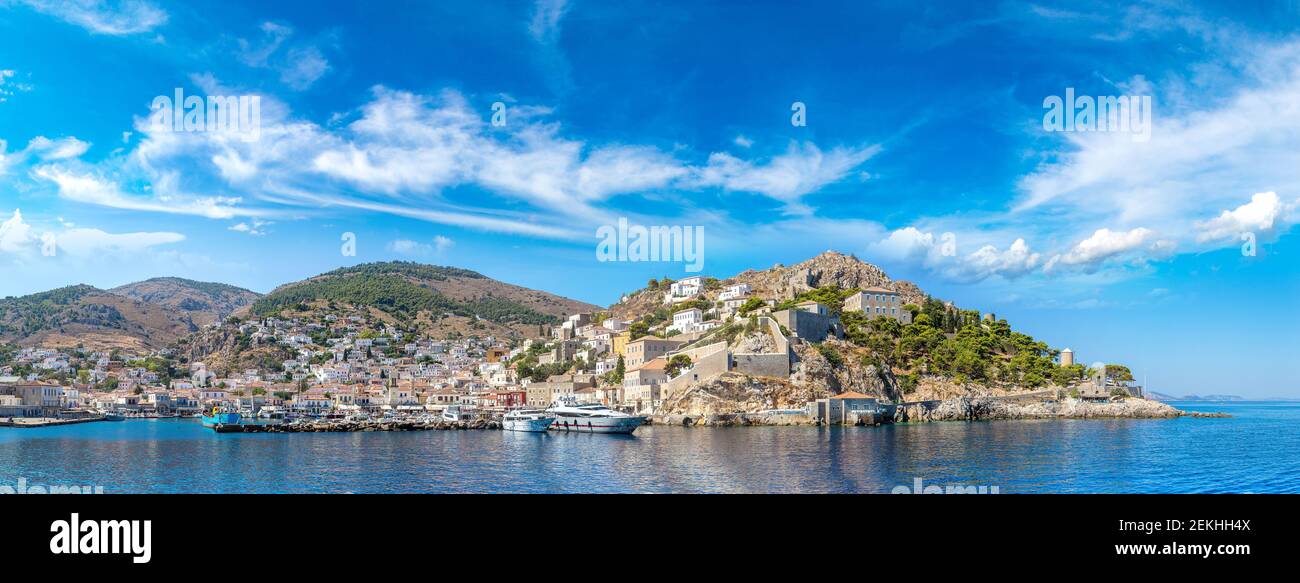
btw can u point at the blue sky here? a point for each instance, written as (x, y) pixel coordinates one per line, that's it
(921, 121)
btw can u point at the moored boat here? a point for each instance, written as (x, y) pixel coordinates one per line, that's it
(218, 418)
(592, 418)
(457, 413)
(530, 420)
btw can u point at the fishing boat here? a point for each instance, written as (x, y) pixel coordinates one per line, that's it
(530, 420)
(591, 418)
(221, 417)
(113, 417)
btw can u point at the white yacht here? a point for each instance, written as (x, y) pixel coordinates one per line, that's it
(591, 418)
(531, 420)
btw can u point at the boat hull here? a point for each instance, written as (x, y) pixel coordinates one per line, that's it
(623, 425)
(527, 425)
(222, 419)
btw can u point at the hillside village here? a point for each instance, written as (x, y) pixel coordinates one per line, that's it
(830, 332)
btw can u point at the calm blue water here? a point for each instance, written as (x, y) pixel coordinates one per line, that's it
(1256, 451)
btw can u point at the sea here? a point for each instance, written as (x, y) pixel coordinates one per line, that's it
(1256, 450)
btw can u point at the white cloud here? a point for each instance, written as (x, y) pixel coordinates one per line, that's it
(88, 242)
(1105, 243)
(1262, 215)
(409, 154)
(59, 149)
(419, 249)
(940, 254)
(1201, 154)
(743, 142)
(909, 244)
(254, 227)
(801, 170)
(15, 235)
(308, 65)
(545, 24)
(116, 18)
(86, 188)
(7, 88)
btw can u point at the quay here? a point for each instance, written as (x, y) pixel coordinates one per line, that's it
(355, 426)
(31, 422)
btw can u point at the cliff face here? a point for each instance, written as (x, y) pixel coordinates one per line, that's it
(851, 374)
(732, 393)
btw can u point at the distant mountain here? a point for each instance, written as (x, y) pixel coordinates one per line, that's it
(155, 313)
(1163, 397)
(407, 292)
(87, 316)
(204, 302)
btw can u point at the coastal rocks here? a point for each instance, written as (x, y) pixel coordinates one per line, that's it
(993, 408)
(733, 393)
(734, 420)
(852, 374)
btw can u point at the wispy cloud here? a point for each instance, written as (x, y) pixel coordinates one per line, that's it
(299, 63)
(544, 28)
(8, 86)
(117, 18)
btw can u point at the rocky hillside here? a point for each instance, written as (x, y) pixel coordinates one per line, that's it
(830, 269)
(90, 317)
(203, 302)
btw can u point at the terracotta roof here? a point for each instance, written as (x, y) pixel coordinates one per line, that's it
(879, 290)
(656, 364)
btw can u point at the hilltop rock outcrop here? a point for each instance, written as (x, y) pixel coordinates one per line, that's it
(828, 269)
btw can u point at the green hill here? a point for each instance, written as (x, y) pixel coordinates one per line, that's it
(404, 290)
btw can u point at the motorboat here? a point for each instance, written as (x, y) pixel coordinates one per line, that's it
(530, 420)
(591, 418)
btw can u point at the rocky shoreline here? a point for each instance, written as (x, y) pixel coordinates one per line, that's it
(960, 409)
(992, 409)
